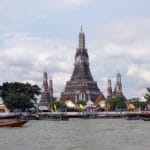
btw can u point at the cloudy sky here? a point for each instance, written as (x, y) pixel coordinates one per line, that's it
(43, 34)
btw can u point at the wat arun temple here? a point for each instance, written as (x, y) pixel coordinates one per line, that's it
(81, 85)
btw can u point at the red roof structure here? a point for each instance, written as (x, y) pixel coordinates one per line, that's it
(100, 98)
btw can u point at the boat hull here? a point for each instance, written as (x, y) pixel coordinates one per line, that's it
(146, 119)
(13, 123)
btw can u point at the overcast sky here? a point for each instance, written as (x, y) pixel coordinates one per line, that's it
(43, 34)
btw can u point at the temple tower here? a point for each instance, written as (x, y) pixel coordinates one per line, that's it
(50, 89)
(45, 98)
(109, 90)
(45, 84)
(81, 85)
(118, 87)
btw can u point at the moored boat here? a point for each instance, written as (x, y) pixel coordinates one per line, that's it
(133, 118)
(146, 119)
(13, 123)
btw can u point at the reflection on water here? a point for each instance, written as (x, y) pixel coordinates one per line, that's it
(77, 134)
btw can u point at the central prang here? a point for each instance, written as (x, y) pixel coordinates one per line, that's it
(81, 85)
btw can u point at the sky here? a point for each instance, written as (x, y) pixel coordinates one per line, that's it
(39, 35)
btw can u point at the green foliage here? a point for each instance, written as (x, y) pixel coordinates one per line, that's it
(117, 103)
(120, 104)
(19, 95)
(112, 104)
(81, 102)
(18, 101)
(136, 104)
(143, 105)
(59, 105)
(140, 105)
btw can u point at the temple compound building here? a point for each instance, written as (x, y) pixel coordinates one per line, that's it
(47, 92)
(117, 90)
(81, 85)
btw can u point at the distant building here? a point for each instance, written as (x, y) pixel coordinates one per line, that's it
(118, 88)
(81, 85)
(47, 92)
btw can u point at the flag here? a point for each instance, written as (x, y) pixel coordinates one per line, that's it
(81, 106)
(54, 107)
(131, 106)
(107, 107)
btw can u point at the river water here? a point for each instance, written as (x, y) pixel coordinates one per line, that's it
(78, 134)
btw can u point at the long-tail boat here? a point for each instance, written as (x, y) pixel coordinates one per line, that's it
(13, 123)
(146, 119)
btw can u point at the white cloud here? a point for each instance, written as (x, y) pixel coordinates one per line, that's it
(24, 58)
(139, 73)
(59, 81)
(125, 46)
(132, 70)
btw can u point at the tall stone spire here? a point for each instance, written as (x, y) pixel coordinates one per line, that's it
(81, 39)
(81, 65)
(118, 87)
(109, 90)
(81, 85)
(45, 99)
(45, 84)
(118, 77)
(50, 88)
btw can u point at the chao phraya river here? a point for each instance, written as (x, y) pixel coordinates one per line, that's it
(78, 134)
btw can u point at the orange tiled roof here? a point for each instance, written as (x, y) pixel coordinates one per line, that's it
(68, 98)
(100, 98)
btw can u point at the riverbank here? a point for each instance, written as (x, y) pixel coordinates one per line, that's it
(95, 115)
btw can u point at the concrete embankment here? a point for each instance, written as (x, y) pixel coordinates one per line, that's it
(89, 114)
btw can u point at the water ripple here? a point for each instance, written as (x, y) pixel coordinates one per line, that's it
(77, 134)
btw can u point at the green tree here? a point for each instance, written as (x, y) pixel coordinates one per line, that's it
(120, 103)
(143, 105)
(18, 101)
(136, 104)
(19, 95)
(117, 103)
(60, 105)
(81, 102)
(112, 104)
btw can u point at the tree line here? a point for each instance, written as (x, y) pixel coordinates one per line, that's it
(16, 95)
